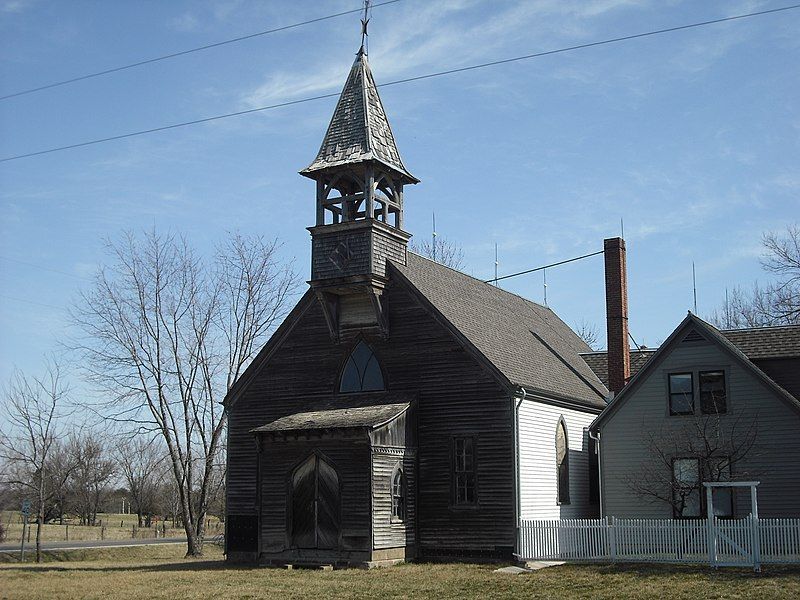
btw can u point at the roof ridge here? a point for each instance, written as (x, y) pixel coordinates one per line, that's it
(761, 327)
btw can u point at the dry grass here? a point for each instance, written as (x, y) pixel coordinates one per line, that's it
(161, 572)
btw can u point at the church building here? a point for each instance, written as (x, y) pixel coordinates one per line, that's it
(403, 409)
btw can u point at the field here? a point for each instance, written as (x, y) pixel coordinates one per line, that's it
(161, 572)
(114, 527)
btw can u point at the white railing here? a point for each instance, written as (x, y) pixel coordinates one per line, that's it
(748, 541)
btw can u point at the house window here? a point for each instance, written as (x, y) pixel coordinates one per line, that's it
(562, 462)
(681, 394)
(464, 471)
(361, 373)
(686, 497)
(398, 495)
(713, 399)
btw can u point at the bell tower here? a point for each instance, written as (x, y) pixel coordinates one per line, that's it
(359, 207)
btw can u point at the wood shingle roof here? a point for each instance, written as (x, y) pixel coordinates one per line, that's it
(336, 418)
(766, 342)
(359, 130)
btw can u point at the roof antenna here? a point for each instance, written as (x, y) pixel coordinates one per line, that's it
(364, 35)
(727, 311)
(496, 263)
(433, 236)
(621, 228)
(544, 282)
(694, 288)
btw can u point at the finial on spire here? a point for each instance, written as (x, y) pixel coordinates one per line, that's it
(364, 23)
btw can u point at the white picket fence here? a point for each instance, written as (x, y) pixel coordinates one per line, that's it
(721, 542)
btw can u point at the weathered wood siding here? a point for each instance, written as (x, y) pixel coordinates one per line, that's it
(773, 461)
(537, 462)
(387, 533)
(350, 458)
(454, 396)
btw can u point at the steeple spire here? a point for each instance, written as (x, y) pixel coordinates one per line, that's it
(359, 131)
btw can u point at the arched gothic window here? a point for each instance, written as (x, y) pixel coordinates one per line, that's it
(398, 495)
(562, 462)
(362, 373)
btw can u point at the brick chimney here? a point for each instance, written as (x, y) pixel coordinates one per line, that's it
(619, 356)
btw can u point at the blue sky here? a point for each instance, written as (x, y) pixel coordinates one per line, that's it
(691, 137)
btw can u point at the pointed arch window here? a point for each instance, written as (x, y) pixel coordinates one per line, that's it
(562, 462)
(398, 494)
(362, 373)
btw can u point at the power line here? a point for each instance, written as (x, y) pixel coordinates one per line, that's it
(40, 267)
(555, 264)
(185, 52)
(31, 302)
(399, 81)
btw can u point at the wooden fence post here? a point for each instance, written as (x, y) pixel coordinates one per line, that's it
(756, 533)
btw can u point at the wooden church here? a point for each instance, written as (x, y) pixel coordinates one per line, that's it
(403, 409)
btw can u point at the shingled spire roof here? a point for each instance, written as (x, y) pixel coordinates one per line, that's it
(359, 130)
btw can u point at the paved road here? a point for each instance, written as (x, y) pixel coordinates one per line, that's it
(84, 544)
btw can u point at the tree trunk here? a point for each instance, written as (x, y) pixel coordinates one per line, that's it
(139, 517)
(40, 517)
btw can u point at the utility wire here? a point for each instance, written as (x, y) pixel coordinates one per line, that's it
(189, 51)
(555, 264)
(23, 301)
(399, 81)
(42, 268)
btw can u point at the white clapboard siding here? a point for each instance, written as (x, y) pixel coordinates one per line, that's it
(537, 462)
(662, 540)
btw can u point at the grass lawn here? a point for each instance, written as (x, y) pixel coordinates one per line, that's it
(161, 572)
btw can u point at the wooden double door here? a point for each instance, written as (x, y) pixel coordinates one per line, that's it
(315, 504)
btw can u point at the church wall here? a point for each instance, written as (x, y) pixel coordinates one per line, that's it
(389, 532)
(538, 478)
(454, 396)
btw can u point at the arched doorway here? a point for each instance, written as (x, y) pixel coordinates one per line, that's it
(315, 504)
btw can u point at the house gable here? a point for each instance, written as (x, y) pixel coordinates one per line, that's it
(693, 331)
(638, 432)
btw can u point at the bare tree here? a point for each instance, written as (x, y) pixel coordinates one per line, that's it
(442, 250)
(34, 409)
(140, 462)
(58, 472)
(777, 303)
(589, 333)
(167, 334)
(718, 444)
(90, 484)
